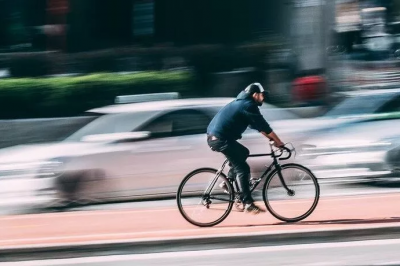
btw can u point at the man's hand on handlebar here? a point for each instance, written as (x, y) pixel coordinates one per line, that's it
(279, 144)
(275, 139)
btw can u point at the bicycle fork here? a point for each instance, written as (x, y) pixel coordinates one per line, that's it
(278, 167)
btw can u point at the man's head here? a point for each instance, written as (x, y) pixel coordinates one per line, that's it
(257, 92)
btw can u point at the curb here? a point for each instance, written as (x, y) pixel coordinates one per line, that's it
(156, 245)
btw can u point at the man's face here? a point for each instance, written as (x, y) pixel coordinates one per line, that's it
(259, 98)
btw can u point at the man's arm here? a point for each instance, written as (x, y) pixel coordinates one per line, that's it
(272, 136)
(258, 122)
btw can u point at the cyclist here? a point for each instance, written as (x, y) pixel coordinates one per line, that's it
(228, 126)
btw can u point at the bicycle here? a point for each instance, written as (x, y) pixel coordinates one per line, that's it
(278, 185)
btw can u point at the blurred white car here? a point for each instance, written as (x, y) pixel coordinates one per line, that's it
(353, 107)
(132, 150)
(354, 139)
(357, 152)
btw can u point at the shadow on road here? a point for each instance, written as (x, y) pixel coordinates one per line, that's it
(324, 222)
(350, 221)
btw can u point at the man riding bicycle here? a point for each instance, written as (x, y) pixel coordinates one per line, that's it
(228, 126)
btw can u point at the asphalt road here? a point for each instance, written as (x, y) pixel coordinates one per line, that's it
(372, 252)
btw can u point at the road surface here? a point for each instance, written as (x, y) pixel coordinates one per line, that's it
(372, 252)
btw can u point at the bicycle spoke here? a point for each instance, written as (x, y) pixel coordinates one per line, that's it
(285, 205)
(200, 209)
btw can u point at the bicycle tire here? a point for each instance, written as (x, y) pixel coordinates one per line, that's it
(316, 197)
(179, 197)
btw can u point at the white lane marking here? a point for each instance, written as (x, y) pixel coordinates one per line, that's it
(200, 253)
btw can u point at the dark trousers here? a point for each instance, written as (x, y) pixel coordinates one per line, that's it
(237, 155)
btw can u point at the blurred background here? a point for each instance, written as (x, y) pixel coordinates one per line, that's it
(104, 106)
(76, 75)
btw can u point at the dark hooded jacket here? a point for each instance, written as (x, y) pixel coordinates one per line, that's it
(234, 118)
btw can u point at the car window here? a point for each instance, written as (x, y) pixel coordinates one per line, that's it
(391, 106)
(162, 125)
(190, 122)
(178, 123)
(112, 123)
(358, 105)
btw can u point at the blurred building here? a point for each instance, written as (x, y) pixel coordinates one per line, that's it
(358, 19)
(80, 25)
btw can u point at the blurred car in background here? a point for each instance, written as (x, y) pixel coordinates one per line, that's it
(362, 151)
(129, 151)
(144, 149)
(355, 140)
(351, 107)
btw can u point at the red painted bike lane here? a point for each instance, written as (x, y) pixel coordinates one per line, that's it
(114, 225)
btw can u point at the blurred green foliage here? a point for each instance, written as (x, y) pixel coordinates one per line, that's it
(71, 96)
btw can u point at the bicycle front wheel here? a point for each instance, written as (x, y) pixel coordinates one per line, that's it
(301, 199)
(201, 200)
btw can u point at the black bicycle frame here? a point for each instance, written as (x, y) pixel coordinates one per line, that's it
(235, 184)
(277, 166)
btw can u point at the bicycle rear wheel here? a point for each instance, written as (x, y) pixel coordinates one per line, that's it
(286, 206)
(201, 200)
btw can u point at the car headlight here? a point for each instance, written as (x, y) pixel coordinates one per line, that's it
(18, 170)
(52, 168)
(30, 169)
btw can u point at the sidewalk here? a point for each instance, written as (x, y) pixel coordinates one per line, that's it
(84, 227)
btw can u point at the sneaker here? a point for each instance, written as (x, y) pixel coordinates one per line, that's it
(224, 187)
(239, 205)
(253, 209)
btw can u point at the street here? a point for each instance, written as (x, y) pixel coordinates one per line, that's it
(372, 252)
(342, 207)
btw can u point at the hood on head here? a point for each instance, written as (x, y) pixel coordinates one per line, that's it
(244, 96)
(250, 90)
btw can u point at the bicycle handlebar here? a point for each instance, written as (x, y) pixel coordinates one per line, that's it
(275, 154)
(289, 151)
(282, 150)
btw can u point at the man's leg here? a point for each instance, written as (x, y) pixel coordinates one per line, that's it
(232, 172)
(231, 176)
(237, 154)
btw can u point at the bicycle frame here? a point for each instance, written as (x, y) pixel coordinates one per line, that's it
(275, 163)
